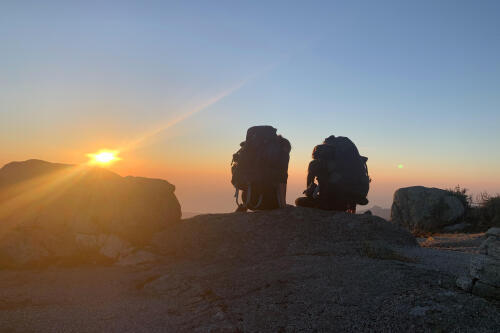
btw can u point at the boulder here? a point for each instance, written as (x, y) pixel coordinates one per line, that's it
(484, 270)
(52, 212)
(422, 209)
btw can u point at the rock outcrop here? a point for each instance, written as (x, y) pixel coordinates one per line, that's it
(63, 213)
(484, 275)
(422, 209)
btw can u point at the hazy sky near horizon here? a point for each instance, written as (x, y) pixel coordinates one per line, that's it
(415, 83)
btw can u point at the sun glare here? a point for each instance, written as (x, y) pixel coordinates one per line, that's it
(103, 157)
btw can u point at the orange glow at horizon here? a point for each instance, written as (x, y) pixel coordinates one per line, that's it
(104, 157)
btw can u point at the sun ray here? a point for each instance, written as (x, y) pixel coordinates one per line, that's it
(20, 199)
(143, 139)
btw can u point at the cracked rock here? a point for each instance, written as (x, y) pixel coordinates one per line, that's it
(484, 272)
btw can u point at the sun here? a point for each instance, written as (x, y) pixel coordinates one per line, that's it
(104, 157)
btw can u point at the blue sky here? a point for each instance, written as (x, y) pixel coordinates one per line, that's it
(414, 83)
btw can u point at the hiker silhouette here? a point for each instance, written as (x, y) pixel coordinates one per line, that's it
(341, 174)
(260, 169)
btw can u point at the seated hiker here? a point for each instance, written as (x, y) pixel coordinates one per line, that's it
(260, 169)
(341, 175)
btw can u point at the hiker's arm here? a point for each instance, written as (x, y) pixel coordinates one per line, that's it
(312, 172)
(311, 175)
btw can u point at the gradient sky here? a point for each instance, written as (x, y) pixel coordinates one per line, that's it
(175, 85)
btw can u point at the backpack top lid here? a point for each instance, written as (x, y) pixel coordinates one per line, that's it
(323, 151)
(329, 140)
(342, 144)
(261, 133)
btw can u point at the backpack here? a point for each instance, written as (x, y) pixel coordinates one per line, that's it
(345, 169)
(259, 166)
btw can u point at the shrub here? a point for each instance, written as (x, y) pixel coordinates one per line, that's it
(490, 210)
(482, 213)
(462, 194)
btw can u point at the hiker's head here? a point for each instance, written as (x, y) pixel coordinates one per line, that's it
(329, 140)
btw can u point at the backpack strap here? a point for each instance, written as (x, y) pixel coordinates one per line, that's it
(249, 196)
(236, 195)
(258, 202)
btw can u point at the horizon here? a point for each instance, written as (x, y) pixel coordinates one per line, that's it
(174, 87)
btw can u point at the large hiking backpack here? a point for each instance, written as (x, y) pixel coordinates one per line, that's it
(346, 170)
(259, 166)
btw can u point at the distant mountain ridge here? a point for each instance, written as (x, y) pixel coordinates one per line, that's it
(384, 213)
(187, 215)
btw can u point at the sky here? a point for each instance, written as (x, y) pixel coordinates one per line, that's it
(174, 86)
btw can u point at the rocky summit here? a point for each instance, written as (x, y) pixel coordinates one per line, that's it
(288, 270)
(56, 213)
(286, 232)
